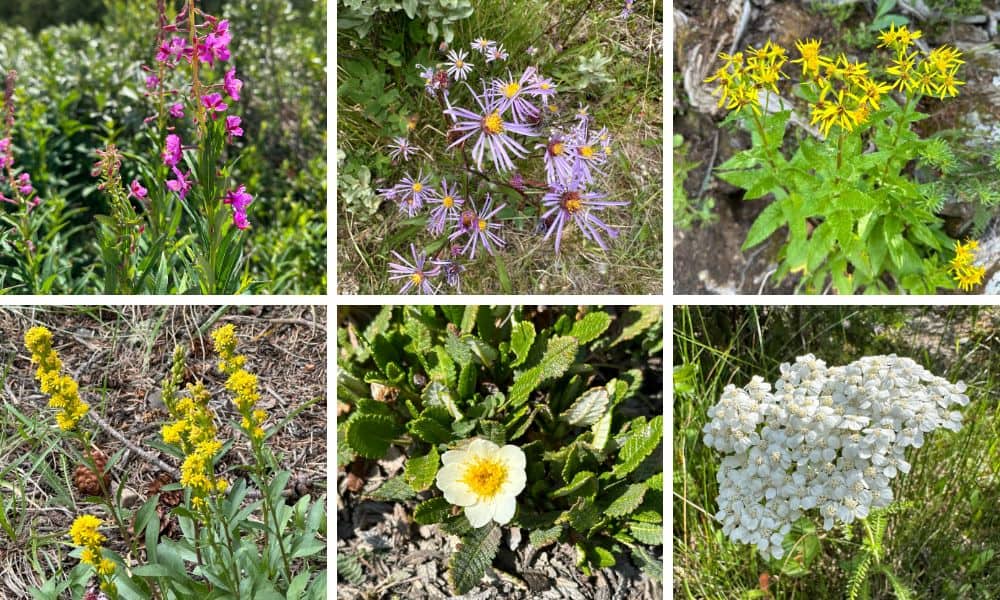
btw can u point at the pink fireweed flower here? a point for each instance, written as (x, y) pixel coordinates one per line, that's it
(171, 51)
(401, 149)
(181, 185)
(213, 102)
(557, 158)
(151, 82)
(135, 190)
(476, 223)
(449, 206)
(483, 45)
(172, 150)
(493, 132)
(232, 85)
(6, 156)
(571, 202)
(457, 65)
(177, 110)
(413, 192)
(415, 275)
(239, 199)
(24, 184)
(216, 44)
(512, 94)
(233, 128)
(497, 53)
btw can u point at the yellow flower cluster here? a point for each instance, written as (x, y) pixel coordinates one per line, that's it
(965, 272)
(63, 391)
(848, 94)
(194, 432)
(241, 383)
(84, 532)
(743, 76)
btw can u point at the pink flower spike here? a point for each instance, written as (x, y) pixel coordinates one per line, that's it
(177, 110)
(233, 128)
(213, 102)
(172, 150)
(232, 85)
(181, 185)
(135, 190)
(24, 184)
(151, 82)
(239, 199)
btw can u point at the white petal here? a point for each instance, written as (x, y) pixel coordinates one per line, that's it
(505, 507)
(513, 456)
(481, 447)
(453, 456)
(480, 514)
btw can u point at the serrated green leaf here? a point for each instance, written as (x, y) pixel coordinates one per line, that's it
(767, 223)
(429, 430)
(436, 394)
(628, 501)
(558, 357)
(493, 431)
(349, 568)
(469, 563)
(467, 381)
(420, 335)
(588, 408)
(394, 489)
(540, 538)
(458, 349)
(469, 318)
(526, 383)
(636, 321)
(581, 481)
(647, 533)
(522, 336)
(601, 432)
(420, 471)
(648, 563)
(441, 367)
(590, 326)
(582, 516)
(371, 435)
(384, 352)
(432, 511)
(655, 482)
(638, 446)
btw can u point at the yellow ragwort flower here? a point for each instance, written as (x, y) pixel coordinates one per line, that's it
(811, 59)
(963, 268)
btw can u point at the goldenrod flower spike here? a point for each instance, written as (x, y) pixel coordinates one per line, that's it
(241, 383)
(63, 391)
(84, 533)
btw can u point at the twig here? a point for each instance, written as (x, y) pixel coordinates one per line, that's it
(147, 456)
(741, 26)
(711, 165)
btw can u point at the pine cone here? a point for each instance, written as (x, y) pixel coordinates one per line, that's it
(88, 482)
(169, 499)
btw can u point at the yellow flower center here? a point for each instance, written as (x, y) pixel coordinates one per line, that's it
(485, 476)
(482, 224)
(418, 186)
(459, 63)
(511, 88)
(416, 278)
(448, 201)
(492, 124)
(586, 152)
(556, 149)
(571, 202)
(545, 86)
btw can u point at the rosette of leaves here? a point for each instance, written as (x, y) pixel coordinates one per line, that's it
(572, 388)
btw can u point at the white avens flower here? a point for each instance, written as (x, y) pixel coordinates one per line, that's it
(827, 438)
(485, 479)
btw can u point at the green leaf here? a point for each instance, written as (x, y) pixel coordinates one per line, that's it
(502, 276)
(420, 471)
(522, 336)
(371, 435)
(581, 481)
(469, 563)
(590, 326)
(647, 533)
(638, 446)
(394, 489)
(540, 538)
(559, 355)
(524, 385)
(588, 408)
(628, 501)
(349, 568)
(636, 321)
(602, 431)
(767, 223)
(469, 318)
(647, 563)
(437, 394)
(582, 516)
(493, 431)
(467, 381)
(432, 511)
(801, 547)
(429, 430)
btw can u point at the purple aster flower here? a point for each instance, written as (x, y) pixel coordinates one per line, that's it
(452, 272)
(239, 199)
(233, 128)
(572, 202)
(542, 87)
(483, 45)
(627, 11)
(413, 192)
(135, 190)
(512, 95)
(492, 129)
(531, 51)
(588, 150)
(434, 80)
(177, 110)
(213, 102)
(497, 53)
(232, 85)
(172, 150)
(476, 223)
(583, 113)
(458, 67)
(557, 159)
(415, 274)
(448, 208)
(401, 148)
(181, 185)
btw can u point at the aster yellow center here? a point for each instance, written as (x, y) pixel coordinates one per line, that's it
(492, 124)
(545, 86)
(511, 88)
(482, 224)
(417, 278)
(586, 152)
(556, 149)
(485, 477)
(448, 201)
(459, 64)
(571, 202)
(417, 187)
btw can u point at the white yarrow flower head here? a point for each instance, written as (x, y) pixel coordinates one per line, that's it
(485, 479)
(829, 439)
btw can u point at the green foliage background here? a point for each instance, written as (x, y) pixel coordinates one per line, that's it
(80, 87)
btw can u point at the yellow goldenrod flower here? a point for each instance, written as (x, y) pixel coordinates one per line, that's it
(836, 113)
(903, 69)
(105, 567)
(872, 92)
(224, 339)
(63, 391)
(84, 532)
(944, 58)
